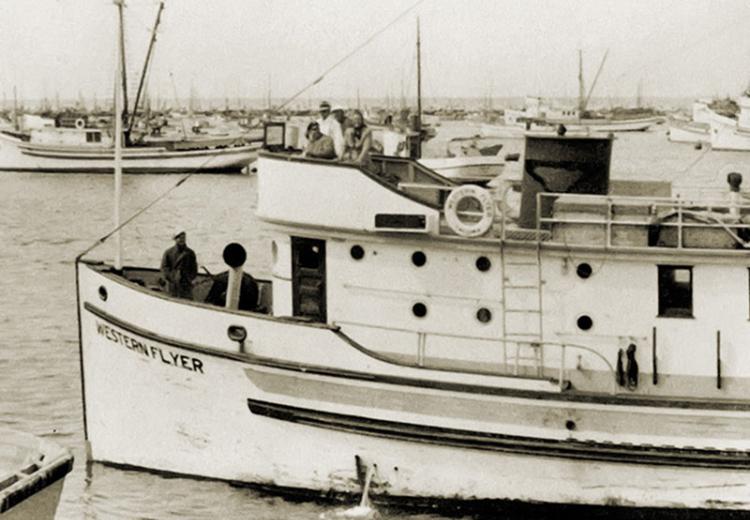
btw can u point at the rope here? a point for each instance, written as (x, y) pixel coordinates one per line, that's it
(352, 53)
(143, 209)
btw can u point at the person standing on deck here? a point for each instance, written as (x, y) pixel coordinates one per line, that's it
(179, 268)
(331, 127)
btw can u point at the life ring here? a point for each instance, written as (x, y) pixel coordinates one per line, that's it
(80, 123)
(470, 228)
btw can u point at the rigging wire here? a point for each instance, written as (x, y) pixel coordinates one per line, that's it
(349, 55)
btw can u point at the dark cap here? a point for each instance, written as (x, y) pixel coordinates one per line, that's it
(313, 124)
(178, 235)
(325, 105)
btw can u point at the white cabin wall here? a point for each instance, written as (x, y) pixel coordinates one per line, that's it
(622, 296)
(369, 296)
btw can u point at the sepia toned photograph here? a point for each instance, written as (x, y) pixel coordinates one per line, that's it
(374, 259)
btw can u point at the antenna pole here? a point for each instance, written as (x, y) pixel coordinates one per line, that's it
(419, 93)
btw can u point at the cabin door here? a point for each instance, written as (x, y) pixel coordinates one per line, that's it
(309, 278)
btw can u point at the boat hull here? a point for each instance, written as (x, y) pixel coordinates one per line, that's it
(17, 155)
(267, 413)
(730, 138)
(689, 133)
(32, 473)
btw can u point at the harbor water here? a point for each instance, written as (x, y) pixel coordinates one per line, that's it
(46, 220)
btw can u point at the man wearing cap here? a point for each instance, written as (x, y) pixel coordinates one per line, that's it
(318, 145)
(331, 127)
(179, 267)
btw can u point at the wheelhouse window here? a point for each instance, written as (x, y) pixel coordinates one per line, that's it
(93, 137)
(675, 291)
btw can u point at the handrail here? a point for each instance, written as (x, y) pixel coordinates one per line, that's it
(422, 349)
(708, 213)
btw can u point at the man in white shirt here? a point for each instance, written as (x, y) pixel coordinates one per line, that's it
(331, 127)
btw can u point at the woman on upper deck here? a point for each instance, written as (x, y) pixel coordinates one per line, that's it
(357, 140)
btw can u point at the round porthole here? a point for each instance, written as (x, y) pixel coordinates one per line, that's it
(570, 425)
(585, 322)
(483, 263)
(419, 310)
(584, 270)
(357, 252)
(103, 293)
(484, 315)
(418, 258)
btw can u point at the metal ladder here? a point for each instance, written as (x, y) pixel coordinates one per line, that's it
(522, 308)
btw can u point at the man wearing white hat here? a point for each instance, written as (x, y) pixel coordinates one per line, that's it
(179, 267)
(330, 126)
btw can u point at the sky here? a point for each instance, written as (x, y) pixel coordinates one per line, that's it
(470, 48)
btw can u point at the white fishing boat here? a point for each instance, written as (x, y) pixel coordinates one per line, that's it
(587, 347)
(735, 137)
(81, 149)
(692, 132)
(32, 472)
(72, 150)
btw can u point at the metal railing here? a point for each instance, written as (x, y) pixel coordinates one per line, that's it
(659, 214)
(511, 365)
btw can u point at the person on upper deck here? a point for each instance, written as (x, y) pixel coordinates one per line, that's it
(318, 145)
(179, 268)
(357, 140)
(329, 125)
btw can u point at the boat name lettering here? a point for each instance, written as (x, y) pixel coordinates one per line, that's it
(167, 357)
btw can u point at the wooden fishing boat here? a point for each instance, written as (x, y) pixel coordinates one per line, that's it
(32, 471)
(587, 347)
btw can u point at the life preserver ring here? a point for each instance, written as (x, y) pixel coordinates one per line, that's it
(80, 123)
(469, 228)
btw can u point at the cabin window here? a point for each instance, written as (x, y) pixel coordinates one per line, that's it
(93, 137)
(419, 258)
(675, 291)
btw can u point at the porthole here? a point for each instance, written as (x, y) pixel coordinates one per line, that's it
(357, 252)
(418, 258)
(570, 425)
(584, 270)
(103, 293)
(484, 315)
(419, 309)
(585, 322)
(483, 263)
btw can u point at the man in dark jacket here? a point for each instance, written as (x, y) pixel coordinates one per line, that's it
(179, 268)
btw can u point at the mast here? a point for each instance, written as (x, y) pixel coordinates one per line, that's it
(15, 109)
(419, 94)
(581, 86)
(123, 70)
(145, 68)
(118, 115)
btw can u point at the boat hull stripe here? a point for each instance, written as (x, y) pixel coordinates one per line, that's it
(454, 438)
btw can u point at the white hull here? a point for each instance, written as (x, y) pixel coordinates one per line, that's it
(688, 134)
(17, 155)
(163, 395)
(729, 138)
(608, 125)
(467, 169)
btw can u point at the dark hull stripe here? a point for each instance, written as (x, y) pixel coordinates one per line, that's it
(304, 369)
(453, 438)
